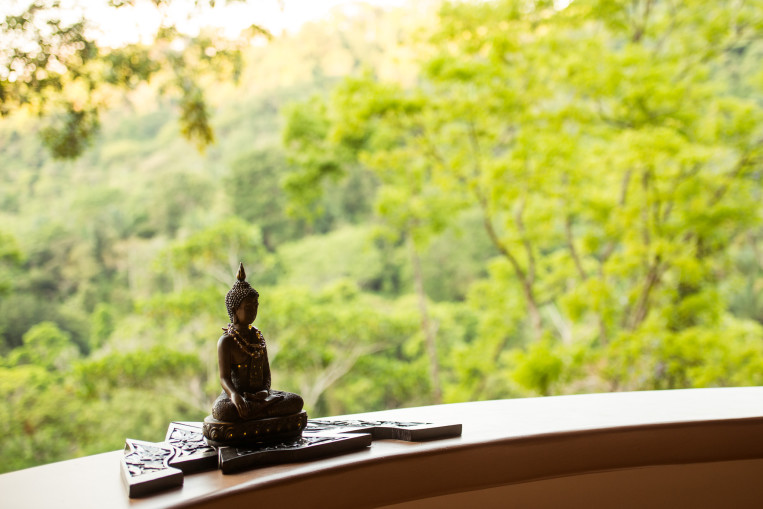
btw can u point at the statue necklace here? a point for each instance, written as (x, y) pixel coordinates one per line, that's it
(252, 350)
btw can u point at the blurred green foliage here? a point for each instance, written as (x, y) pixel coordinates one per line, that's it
(615, 203)
(532, 200)
(53, 66)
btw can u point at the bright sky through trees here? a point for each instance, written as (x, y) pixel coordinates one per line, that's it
(139, 22)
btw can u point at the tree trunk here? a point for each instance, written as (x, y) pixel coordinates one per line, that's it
(426, 326)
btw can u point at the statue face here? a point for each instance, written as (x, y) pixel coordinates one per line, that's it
(247, 310)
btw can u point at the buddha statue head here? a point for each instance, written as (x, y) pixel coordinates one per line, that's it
(240, 291)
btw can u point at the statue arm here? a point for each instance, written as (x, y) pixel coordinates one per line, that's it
(266, 371)
(266, 362)
(224, 365)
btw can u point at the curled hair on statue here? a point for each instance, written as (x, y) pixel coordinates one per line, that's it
(240, 291)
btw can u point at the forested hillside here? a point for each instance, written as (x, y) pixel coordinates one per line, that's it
(485, 200)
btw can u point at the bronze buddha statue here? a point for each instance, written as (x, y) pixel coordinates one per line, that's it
(248, 411)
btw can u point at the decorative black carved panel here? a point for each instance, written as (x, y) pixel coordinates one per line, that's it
(148, 467)
(192, 453)
(145, 468)
(306, 448)
(385, 430)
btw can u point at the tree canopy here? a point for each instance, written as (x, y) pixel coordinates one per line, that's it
(614, 153)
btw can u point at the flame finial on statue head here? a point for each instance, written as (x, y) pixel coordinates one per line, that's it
(240, 290)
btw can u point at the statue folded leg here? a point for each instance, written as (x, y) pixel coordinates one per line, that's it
(278, 403)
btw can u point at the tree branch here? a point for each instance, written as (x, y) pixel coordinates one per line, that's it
(571, 247)
(525, 241)
(623, 197)
(429, 334)
(642, 307)
(640, 28)
(744, 161)
(527, 288)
